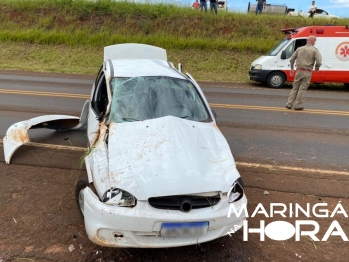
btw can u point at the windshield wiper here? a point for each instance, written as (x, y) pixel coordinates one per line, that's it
(184, 116)
(129, 119)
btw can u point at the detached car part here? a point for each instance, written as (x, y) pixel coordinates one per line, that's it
(17, 134)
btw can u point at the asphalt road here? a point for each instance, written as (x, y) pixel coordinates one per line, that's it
(252, 117)
(283, 156)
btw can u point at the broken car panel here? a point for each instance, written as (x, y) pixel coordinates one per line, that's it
(17, 134)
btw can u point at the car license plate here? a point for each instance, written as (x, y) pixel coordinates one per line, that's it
(184, 229)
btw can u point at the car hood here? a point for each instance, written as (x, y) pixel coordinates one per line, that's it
(169, 156)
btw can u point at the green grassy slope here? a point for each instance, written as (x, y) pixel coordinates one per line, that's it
(69, 36)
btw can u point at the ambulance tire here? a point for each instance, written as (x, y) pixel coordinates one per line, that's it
(346, 85)
(276, 80)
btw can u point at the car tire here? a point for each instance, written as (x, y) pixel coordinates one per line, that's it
(79, 197)
(276, 80)
(346, 85)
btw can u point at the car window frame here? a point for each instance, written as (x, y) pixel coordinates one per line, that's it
(97, 92)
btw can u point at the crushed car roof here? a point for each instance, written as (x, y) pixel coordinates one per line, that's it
(134, 51)
(143, 67)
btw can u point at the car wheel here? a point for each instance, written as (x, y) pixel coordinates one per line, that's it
(79, 196)
(346, 85)
(276, 80)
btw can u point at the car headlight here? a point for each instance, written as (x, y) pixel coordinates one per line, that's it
(236, 192)
(119, 197)
(258, 66)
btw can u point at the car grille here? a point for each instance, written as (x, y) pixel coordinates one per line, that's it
(175, 202)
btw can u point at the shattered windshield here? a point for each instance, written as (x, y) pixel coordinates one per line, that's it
(276, 48)
(142, 98)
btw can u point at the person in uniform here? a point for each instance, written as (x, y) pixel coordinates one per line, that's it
(307, 56)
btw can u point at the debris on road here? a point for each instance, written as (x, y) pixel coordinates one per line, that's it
(67, 139)
(71, 248)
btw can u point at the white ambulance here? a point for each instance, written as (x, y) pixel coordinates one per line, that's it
(333, 43)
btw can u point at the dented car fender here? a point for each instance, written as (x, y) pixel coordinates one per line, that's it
(97, 161)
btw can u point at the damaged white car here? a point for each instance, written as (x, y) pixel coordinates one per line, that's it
(159, 171)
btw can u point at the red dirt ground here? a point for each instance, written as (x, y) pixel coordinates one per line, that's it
(40, 221)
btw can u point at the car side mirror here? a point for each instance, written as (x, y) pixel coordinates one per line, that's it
(180, 67)
(214, 114)
(283, 55)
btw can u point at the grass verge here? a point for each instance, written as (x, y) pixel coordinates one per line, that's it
(204, 65)
(68, 36)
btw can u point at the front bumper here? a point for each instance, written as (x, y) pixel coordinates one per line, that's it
(259, 75)
(140, 226)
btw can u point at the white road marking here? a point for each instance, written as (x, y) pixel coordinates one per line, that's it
(292, 168)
